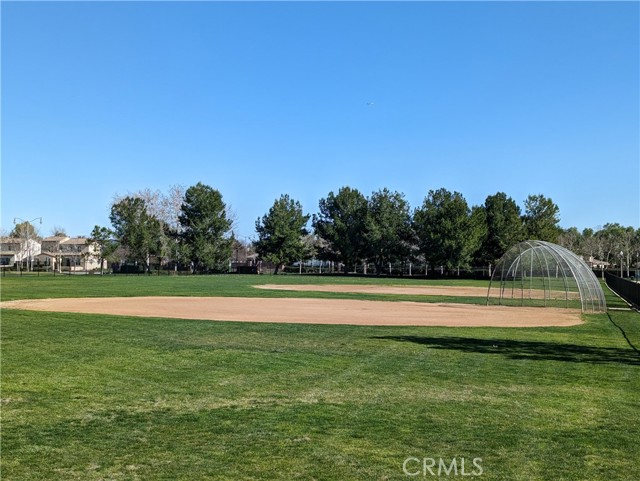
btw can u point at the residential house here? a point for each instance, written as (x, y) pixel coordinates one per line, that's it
(69, 254)
(50, 256)
(18, 251)
(596, 263)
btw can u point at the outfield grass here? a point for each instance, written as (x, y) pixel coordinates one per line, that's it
(47, 286)
(88, 397)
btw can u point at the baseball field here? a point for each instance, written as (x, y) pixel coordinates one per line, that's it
(296, 377)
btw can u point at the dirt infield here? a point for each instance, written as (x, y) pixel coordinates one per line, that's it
(374, 289)
(309, 311)
(463, 291)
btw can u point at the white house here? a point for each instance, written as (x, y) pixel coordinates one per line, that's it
(63, 253)
(596, 263)
(14, 250)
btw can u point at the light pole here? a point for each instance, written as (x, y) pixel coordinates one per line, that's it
(28, 245)
(621, 254)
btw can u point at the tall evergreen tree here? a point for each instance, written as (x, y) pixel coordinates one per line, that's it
(388, 234)
(503, 227)
(281, 232)
(205, 229)
(446, 231)
(541, 218)
(136, 230)
(341, 223)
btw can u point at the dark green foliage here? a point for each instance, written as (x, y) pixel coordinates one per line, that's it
(135, 230)
(447, 233)
(571, 239)
(503, 228)
(351, 228)
(541, 219)
(205, 229)
(24, 230)
(281, 232)
(479, 228)
(341, 222)
(102, 238)
(388, 233)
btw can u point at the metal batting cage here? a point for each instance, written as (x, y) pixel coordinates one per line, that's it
(538, 273)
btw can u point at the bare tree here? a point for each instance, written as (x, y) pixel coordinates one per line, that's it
(232, 215)
(27, 231)
(164, 207)
(58, 231)
(171, 205)
(589, 244)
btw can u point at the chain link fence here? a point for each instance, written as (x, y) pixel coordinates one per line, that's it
(625, 288)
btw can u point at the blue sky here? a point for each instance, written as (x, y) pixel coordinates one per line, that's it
(261, 99)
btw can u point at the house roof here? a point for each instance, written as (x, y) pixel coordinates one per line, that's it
(598, 262)
(7, 253)
(10, 240)
(75, 240)
(54, 238)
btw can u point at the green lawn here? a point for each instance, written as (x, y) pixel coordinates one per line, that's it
(104, 397)
(46, 286)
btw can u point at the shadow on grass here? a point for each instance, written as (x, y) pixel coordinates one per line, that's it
(534, 350)
(624, 334)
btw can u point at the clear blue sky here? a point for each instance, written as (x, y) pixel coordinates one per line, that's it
(260, 99)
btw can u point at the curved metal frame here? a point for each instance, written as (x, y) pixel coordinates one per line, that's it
(541, 257)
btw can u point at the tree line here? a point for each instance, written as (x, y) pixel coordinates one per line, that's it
(194, 227)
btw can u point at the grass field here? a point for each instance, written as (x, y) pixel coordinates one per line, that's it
(88, 397)
(46, 286)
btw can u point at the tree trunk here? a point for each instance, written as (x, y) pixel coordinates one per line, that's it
(378, 265)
